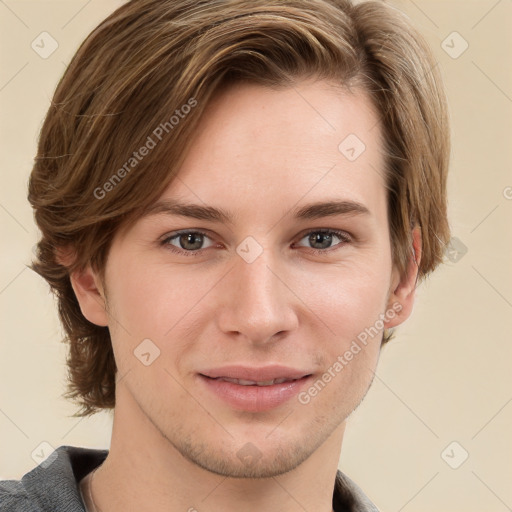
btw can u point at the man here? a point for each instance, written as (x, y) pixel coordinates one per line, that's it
(237, 200)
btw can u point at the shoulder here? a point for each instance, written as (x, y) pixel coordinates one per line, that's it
(13, 497)
(53, 485)
(348, 496)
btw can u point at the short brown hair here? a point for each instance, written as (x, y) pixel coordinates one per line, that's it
(151, 58)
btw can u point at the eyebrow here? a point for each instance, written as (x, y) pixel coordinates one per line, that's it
(309, 211)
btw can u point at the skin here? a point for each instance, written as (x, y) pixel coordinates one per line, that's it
(259, 153)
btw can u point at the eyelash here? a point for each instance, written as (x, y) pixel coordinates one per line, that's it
(342, 235)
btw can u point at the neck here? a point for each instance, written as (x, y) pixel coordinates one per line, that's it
(143, 468)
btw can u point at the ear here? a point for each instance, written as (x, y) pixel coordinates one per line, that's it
(90, 294)
(402, 292)
(87, 287)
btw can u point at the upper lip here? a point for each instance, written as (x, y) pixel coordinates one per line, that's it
(257, 374)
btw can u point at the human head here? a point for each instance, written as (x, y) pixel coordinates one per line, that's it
(154, 62)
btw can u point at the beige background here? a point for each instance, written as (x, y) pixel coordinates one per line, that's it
(446, 377)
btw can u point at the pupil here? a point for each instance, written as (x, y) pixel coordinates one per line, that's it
(189, 237)
(318, 238)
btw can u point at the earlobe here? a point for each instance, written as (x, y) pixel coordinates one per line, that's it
(89, 293)
(401, 297)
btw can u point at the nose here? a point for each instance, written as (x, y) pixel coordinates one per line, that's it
(255, 302)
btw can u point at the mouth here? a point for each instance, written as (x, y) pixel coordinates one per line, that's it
(254, 389)
(243, 382)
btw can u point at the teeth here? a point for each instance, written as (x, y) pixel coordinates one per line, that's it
(265, 383)
(244, 382)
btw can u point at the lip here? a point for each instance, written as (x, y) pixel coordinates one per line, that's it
(254, 398)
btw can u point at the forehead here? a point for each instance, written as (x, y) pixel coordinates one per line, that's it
(258, 150)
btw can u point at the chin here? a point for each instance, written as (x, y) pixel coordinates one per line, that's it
(245, 459)
(250, 465)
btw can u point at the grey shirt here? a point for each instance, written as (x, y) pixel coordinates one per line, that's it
(53, 486)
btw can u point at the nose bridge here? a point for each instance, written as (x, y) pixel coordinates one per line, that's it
(256, 302)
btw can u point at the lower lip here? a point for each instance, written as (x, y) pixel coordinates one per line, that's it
(254, 398)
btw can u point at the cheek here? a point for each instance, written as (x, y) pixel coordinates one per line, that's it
(348, 298)
(350, 301)
(150, 298)
(350, 346)
(158, 303)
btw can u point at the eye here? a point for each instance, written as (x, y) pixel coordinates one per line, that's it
(322, 239)
(191, 243)
(188, 243)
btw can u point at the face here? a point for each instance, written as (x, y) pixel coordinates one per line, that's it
(279, 289)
